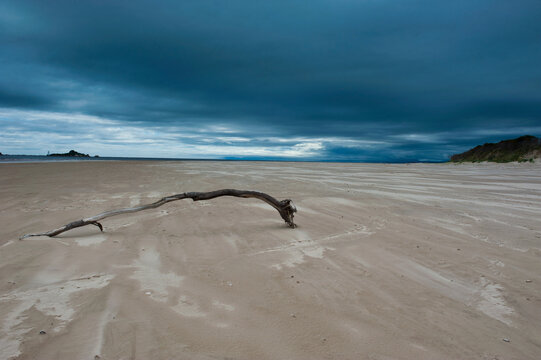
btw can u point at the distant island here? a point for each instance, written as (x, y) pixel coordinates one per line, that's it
(71, 153)
(522, 149)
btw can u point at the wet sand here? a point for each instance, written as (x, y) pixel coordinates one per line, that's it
(422, 261)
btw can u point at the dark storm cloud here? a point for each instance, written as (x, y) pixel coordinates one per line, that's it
(426, 78)
(25, 99)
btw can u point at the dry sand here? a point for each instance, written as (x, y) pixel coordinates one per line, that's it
(420, 261)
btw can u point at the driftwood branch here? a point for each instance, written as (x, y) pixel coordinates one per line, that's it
(284, 207)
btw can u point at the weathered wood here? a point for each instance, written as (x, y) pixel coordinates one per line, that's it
(284, 207)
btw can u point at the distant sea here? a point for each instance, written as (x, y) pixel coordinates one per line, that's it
(43, 158)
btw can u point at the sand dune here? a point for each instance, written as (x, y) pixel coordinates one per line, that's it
(423, 261)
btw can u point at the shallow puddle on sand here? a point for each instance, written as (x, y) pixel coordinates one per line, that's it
(51, 299)
(188, 308)
(151, 279)
(90, 240)
(492, 302)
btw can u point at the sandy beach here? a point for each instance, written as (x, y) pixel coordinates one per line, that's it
(420, 261)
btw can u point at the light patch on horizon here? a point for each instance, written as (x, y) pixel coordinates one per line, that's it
(297, 150)
(354, 143)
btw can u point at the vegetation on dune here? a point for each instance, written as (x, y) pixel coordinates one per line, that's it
(522, 149)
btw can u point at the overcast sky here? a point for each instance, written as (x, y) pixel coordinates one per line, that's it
(360, 80)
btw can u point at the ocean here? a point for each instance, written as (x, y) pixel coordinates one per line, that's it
(44, 158)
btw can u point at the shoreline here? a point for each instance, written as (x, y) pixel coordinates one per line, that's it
(45, 158)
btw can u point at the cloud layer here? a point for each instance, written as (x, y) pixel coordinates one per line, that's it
(321, 80)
